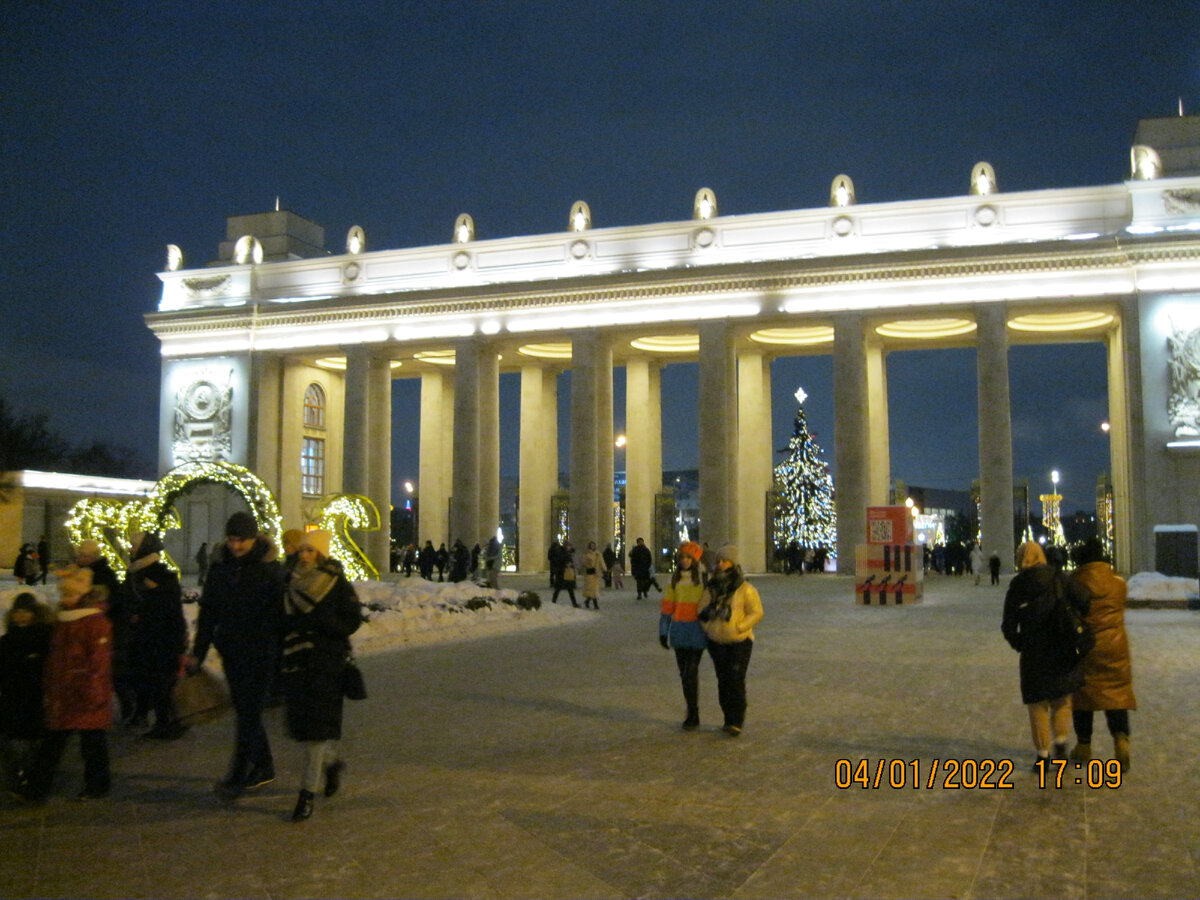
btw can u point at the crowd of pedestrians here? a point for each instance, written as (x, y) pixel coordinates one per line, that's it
(283, 624)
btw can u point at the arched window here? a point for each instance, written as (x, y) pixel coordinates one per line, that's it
(314, 407)
(312, 450)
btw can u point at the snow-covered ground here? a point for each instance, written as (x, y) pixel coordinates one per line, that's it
(410, 613)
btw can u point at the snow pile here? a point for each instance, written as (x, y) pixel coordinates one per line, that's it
(416, 612)
(410, 613)
(1153, 586)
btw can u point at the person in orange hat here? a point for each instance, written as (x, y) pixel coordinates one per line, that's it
(679, 629)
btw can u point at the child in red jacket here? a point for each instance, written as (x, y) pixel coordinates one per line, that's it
(78, 687)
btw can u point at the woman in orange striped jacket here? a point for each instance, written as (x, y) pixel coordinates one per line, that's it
(679, 629)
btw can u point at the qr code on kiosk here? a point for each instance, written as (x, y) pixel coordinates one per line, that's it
(881, 531)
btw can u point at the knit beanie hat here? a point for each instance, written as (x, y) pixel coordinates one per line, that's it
(317, 539)
(692, 549)
(729, 552)
(291, 540)
(26, 601)
(241, 525)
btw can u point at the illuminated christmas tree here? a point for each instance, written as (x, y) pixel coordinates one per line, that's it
(806, 512)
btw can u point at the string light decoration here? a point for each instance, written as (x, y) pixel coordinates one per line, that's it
(337, 514)
(1105, 524)
(110, 523)
(806, 512)
(160, 502)
(104, 521)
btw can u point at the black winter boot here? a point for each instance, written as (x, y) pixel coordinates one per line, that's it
(304, 806)
(333, 777)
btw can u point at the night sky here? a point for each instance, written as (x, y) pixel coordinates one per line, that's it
(128, 126)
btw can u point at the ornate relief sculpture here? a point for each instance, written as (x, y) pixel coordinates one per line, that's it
(1183, 381)
(203, 421)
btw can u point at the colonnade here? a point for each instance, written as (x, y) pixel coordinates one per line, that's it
(460, 453)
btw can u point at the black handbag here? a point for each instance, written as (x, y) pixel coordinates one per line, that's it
(353, 686)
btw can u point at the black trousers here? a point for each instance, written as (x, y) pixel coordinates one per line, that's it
(731, 662)
(93, 746)
(249, 680)
(1118, 723)
(688, 660)
(154, 686)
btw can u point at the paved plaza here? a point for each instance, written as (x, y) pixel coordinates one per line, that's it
(550, 763)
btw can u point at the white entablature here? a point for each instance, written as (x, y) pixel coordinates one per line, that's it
(822, 233)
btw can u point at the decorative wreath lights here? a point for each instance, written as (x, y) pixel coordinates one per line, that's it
(340, 512)
(111, 523)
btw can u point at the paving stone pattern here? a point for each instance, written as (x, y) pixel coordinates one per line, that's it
(550, 763)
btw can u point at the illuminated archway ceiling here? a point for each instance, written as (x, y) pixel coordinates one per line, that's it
(1084, 320)
(338, 363)
(437, 357)
(560, 350)
(668, 343)
(795, 337)
(925, 329)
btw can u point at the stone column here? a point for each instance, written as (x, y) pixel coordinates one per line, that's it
(266, 426)
(489, 445)
(852, 436)
(755, 458)
(539, 464)
(604, 443)
(464, 486)
(643, 448)
(1126, 435)
(582, 513)
(995, 433)
(379, 460)
(433, 477)
(879, 478)
(718, 435)
(357, 423)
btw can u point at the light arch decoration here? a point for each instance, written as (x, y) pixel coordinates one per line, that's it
(337, 514)
(111, 522)
(160, 502)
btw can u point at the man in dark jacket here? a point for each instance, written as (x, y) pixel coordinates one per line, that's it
(426, 560)
(241, 614)
(640, 564)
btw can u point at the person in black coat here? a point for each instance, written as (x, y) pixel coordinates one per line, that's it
(426, 560)
(442, 560)
(23, 649)
(460, 558)
(241, 612)
(641, 564)
(1047, 682)
(321, 611)
(159, 637)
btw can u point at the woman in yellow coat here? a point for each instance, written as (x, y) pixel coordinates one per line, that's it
(733, 609)
(1107, 671)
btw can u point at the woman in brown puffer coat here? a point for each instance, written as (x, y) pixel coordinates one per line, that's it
(1107, 672)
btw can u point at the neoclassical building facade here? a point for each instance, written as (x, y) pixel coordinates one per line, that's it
(280, 356)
